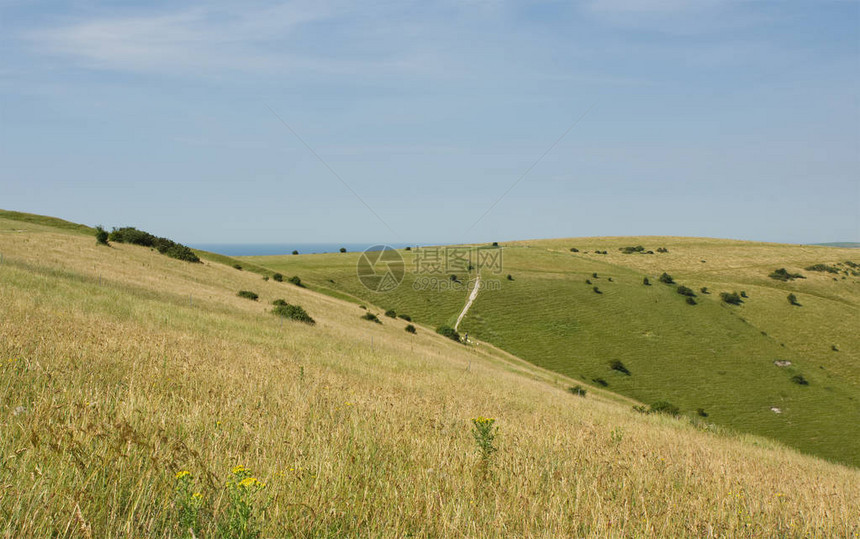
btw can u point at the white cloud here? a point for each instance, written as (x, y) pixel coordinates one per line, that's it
(195, 40)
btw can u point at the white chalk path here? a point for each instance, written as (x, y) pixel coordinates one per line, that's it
(472, 297)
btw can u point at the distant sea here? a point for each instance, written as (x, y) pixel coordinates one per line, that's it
(265, 249)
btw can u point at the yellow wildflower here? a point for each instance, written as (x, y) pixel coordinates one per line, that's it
(183, 473)
(238, 469)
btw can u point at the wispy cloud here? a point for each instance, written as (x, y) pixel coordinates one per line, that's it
(251, 37)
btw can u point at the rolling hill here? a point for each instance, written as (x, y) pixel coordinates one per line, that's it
(142, 396)
(710, 358)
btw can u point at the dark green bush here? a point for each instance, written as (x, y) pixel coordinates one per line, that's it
(731, 298)
(410, 329)
(632, 250)
(577, 390)
(793, 300)
(372, 317)
(296, 281)
(662, 250)
(390, 313)
(646, 282)
(823, 267)
(691, 301)
(408, 248)
(265, 277)
(664, 407)
(293, 312)
(666, 278)
(510, 277)
(800, 380)
(405, 317)
(783, 274)
(237, 266)
(102, 236)
(279, 302)
(600, 382)
(363, 307)
(704, 290)
(247, 294)
(449, 332)
(162, 245)
(278, 277)
(684, 291)
(744, 294)
(597, 290)
(295, 252)
(701, 412)
(343, 249)
(595, 275)
(616, 365)
(588, 281)
(574, 250)
(495, 244)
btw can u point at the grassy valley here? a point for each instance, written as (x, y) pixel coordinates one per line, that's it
(142, 396)
(711, 359)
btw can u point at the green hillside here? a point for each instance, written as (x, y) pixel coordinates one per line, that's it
(710, 358)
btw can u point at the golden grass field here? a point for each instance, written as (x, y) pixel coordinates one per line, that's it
(122, 368)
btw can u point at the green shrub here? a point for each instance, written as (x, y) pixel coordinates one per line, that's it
(574, 250)
(280, 302)
(823, 267)
(731, 298)
(646, 282)
(666, 278)
(410, 329)
(595, 275)
(449, 332)
(577, 390)
(102, 235)
(293, 312)
(744, 294)
(596, 290)
(390, 313)
(793, 300)
(408, 248)
(662, 250)
(600, 382)
(640, 409)
(295, 252)
(684, 291)
(510, 277)
(588, 281)
(691, 301)
(237, 266)
(704, 290)
(296, 281)
(495, 244)
(664, 407)
(265, 277)
(701, 412)
(783, 274)
(405, 317)
(363, 307)
(278, 277)
(371, 317)
(247, 294)
(343, 249)
(800, 380)
(162, 245)
(632, 250)
(616, 365)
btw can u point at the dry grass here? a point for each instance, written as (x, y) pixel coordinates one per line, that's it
(110, 386)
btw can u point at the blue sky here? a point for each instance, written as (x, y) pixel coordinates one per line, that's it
(736, 118)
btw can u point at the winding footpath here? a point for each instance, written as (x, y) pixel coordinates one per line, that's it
(472, 297)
